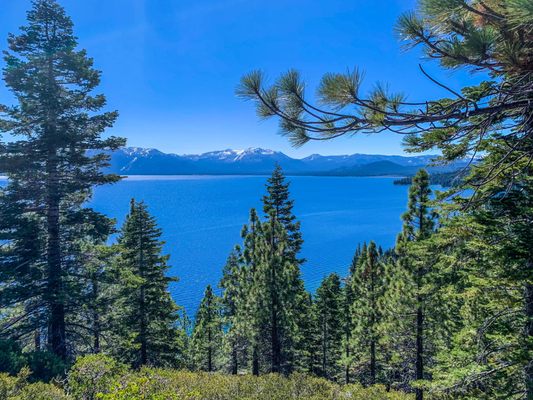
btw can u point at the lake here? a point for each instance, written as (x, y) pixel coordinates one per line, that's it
(202, 216)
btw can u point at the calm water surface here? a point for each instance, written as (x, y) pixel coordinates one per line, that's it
(201, 218)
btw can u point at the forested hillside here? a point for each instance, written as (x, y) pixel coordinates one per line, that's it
(445, 314)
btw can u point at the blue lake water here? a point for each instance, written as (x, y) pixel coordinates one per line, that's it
(201, 218)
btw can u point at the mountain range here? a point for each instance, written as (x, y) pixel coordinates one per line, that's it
(257, 161)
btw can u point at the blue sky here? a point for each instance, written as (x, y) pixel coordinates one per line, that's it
(171, 66)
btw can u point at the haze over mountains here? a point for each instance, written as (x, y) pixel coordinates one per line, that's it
(257, 161)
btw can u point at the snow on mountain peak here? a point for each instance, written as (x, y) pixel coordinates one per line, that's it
(140, 151)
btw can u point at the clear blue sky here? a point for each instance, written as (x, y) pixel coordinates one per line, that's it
(171, 66)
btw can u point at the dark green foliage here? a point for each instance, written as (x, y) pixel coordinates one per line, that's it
(444, 179)
(488, 273)
(368, 283)
(234, 311)
(54, 123)
(147, 317)
(329, 310)
(207, 334)
(45, 366)
(11, 358)
(410, 287)
(278, 205)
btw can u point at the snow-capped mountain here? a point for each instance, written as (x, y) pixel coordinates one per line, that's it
(257, 161)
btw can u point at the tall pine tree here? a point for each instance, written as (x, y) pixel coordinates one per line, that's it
(414, 265)
(207, 333)
(368, 283)
(329, 309)
(147, 317)
(54, 123)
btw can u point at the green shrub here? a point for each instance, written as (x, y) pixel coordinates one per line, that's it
(155, 384)
(18, 388)
(11, 358)
(45, 366)
(94, 374)
(99, 377)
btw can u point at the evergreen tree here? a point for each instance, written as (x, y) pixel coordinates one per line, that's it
(279, 275)
(485, 264)
(50, 170)
(207, 333)
(329, 308)
(233, 309)
(278, 205)
(147, 320)
(414, 266)
(368, 283)
(252, 314)
(99, 287)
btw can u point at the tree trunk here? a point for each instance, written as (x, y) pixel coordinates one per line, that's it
(142, 301)
(529, 335)
(419, 350)
(420, 316)
(255, 361)
(96, 319)
(373, 362)
(275, 340)
(274, 333)
(209, 351)
(53, 254)
(143, 329)
(37, 339)
(324, 349)
(234, 360)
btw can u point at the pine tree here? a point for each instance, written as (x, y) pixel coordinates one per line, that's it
(485, 270)
(368, 283)
(330, 325)
(347, 300)
(279, 274)
(147, 320)
(208, 334)
(99, 288)
(414, 265)
(234, 311)
(251, 317)
(278, 205)
(51, 173)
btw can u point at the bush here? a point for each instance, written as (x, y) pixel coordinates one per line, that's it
(94, 374)
(99, 377)
(18, 388)
(157, 384)
(45, 366)
(11, 358)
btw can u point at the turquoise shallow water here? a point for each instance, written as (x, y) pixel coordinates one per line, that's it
(201, 218)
